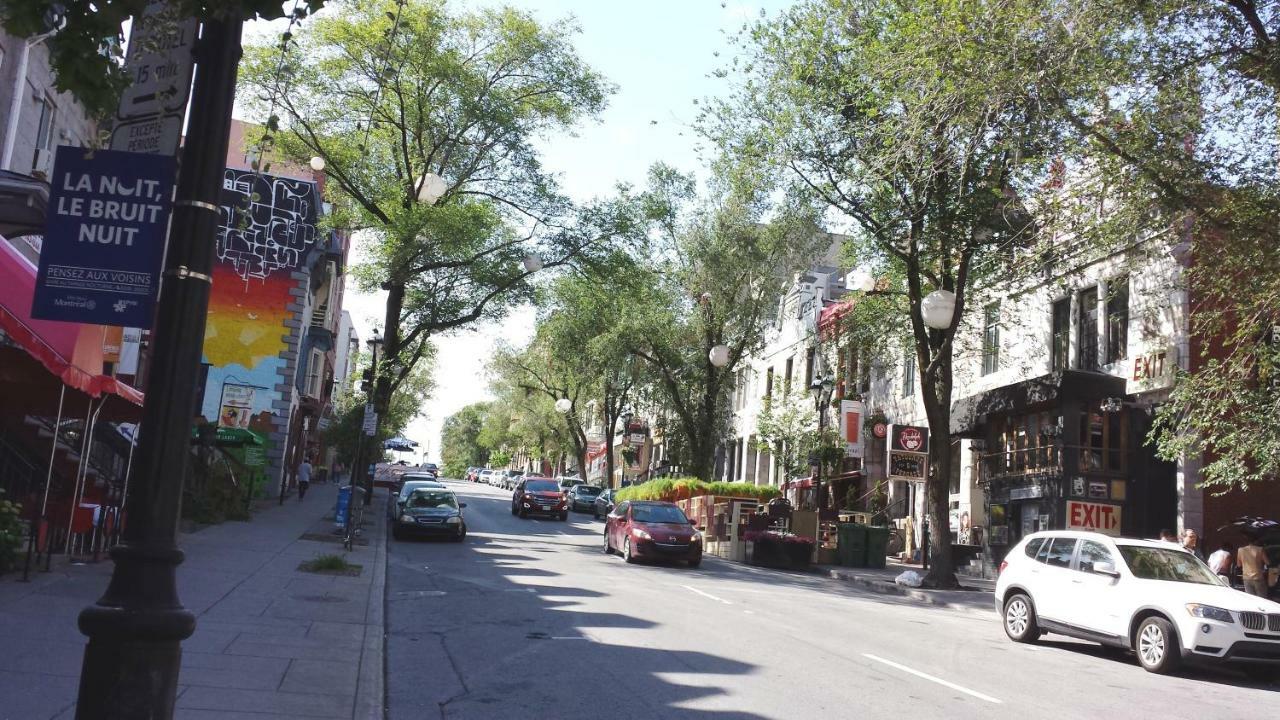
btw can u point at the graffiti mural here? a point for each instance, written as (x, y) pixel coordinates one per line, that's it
(268, 229)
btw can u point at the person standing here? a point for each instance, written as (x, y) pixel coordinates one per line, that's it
(304, 478)
(1220, 561)
(1191, 542)
(1253, 567)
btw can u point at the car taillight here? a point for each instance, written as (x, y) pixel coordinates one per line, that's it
(1003, 564)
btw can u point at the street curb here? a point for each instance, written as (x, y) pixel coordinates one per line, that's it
(371, 684)
(885, 587)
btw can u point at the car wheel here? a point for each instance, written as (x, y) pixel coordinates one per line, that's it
(523, 513)
(396, 534)
(695, 563)
(1020, 619)
(626, 551)
(564, 516)
(608, 549)
(462, 535)
(1265, 674)
(1156, 646)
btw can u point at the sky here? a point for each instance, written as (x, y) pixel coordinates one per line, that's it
(660, 55)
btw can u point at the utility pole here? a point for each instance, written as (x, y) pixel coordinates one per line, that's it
(136, 629)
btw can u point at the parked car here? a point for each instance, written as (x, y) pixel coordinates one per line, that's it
(568, 481)
(410, 483)
(431, 467)
(652, 530)
(473, 474)
(511, 478)
(538, 495)
(583, 497)
(1151, 597)
(603, 504)
(485, 476)
(431, 511)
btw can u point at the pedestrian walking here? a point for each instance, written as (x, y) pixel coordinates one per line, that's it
(1253, 567)
(304, 478)
(1191, 542)
(1168, 536)
(1220, 561)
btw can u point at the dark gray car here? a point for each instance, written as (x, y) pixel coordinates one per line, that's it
(603, 504)
(583, 497)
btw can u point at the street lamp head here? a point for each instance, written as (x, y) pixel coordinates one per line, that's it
(564, 405)
(431, 187)
(937, 308)
(375, 341)
(317, 163)
(862, 281)
(719, 355)
(532, 263)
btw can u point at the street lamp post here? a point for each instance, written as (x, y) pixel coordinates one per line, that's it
(821, 389)
(136, 629)
(374, 344)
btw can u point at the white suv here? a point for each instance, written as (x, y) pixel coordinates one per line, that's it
(1151, 597)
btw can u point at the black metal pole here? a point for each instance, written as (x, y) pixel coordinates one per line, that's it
(375, 388)
(136, 629)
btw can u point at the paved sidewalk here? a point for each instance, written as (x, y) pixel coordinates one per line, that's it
(271, 641)
(975, 597)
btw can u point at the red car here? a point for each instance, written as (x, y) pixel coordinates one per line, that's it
(539, 495)
(652, 530)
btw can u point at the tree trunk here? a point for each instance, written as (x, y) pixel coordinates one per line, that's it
(941, 572)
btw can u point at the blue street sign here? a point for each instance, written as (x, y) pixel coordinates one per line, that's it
(104, 237)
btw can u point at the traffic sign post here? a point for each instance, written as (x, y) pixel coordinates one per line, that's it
(159, 63)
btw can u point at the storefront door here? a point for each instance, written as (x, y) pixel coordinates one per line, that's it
(1030, 516)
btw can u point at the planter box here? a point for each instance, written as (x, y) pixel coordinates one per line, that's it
(780, 555)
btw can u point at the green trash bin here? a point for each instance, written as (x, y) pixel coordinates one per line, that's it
(877, 546)
(851, 545)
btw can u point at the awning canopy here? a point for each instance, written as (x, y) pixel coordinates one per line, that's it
(831, 315)
(969, 414)
(64, 349)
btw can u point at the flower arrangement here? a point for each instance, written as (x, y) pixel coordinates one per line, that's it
(672, 489)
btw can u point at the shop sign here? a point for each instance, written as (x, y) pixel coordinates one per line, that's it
(1151, 370)
(1030, 492)
(908, 466)
(236, 407)
(851, 413)
(910, 438)
(1098, 517)
(104, 237)
(880, 430)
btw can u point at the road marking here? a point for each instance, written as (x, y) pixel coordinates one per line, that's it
(931, 678)
(706, 595)
(553, 637)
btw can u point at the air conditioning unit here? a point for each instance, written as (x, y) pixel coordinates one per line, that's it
(43, 163)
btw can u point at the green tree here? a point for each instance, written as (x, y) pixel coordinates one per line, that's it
(912, 122)
(459, 440)
(787, 428)
(404, 100)
(720, 264)
(406, 404)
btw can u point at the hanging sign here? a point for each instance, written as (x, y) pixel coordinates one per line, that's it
(370, 421)
(910, 438)
(909, 453)
(104, 237)
(851, 412)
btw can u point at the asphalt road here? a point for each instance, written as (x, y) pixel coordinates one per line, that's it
(530, 619)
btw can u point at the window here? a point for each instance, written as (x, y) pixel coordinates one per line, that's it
(1060, 552)
(909, 371)
(1117, 319)
(44, 132)
(1061, 340)
(808, 367)
(1033, 547)
(991, 338)
(1088, 332)
(315, 373)
(1102, 440)
(955, 467)
(768, 385)
(786, 379)
(1092, 552)
(1150, 563)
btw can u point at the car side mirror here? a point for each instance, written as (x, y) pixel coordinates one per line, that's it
(1106, 568)
(461, 505)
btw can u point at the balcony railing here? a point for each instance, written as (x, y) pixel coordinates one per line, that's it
(1049, 459)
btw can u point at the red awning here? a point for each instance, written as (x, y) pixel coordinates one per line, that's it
(54, 344)
(829, 318)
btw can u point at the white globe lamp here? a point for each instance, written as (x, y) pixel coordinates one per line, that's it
(431, 188)
(532, 263)
(564, 405)
(862, 281)
(317, 163)
(937, 308)
(719, 355)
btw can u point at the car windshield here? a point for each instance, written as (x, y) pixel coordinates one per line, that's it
(541, 486)
(587, 490)
(432, 499)
(417, 485)
(658, 514)
(1151, 563)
